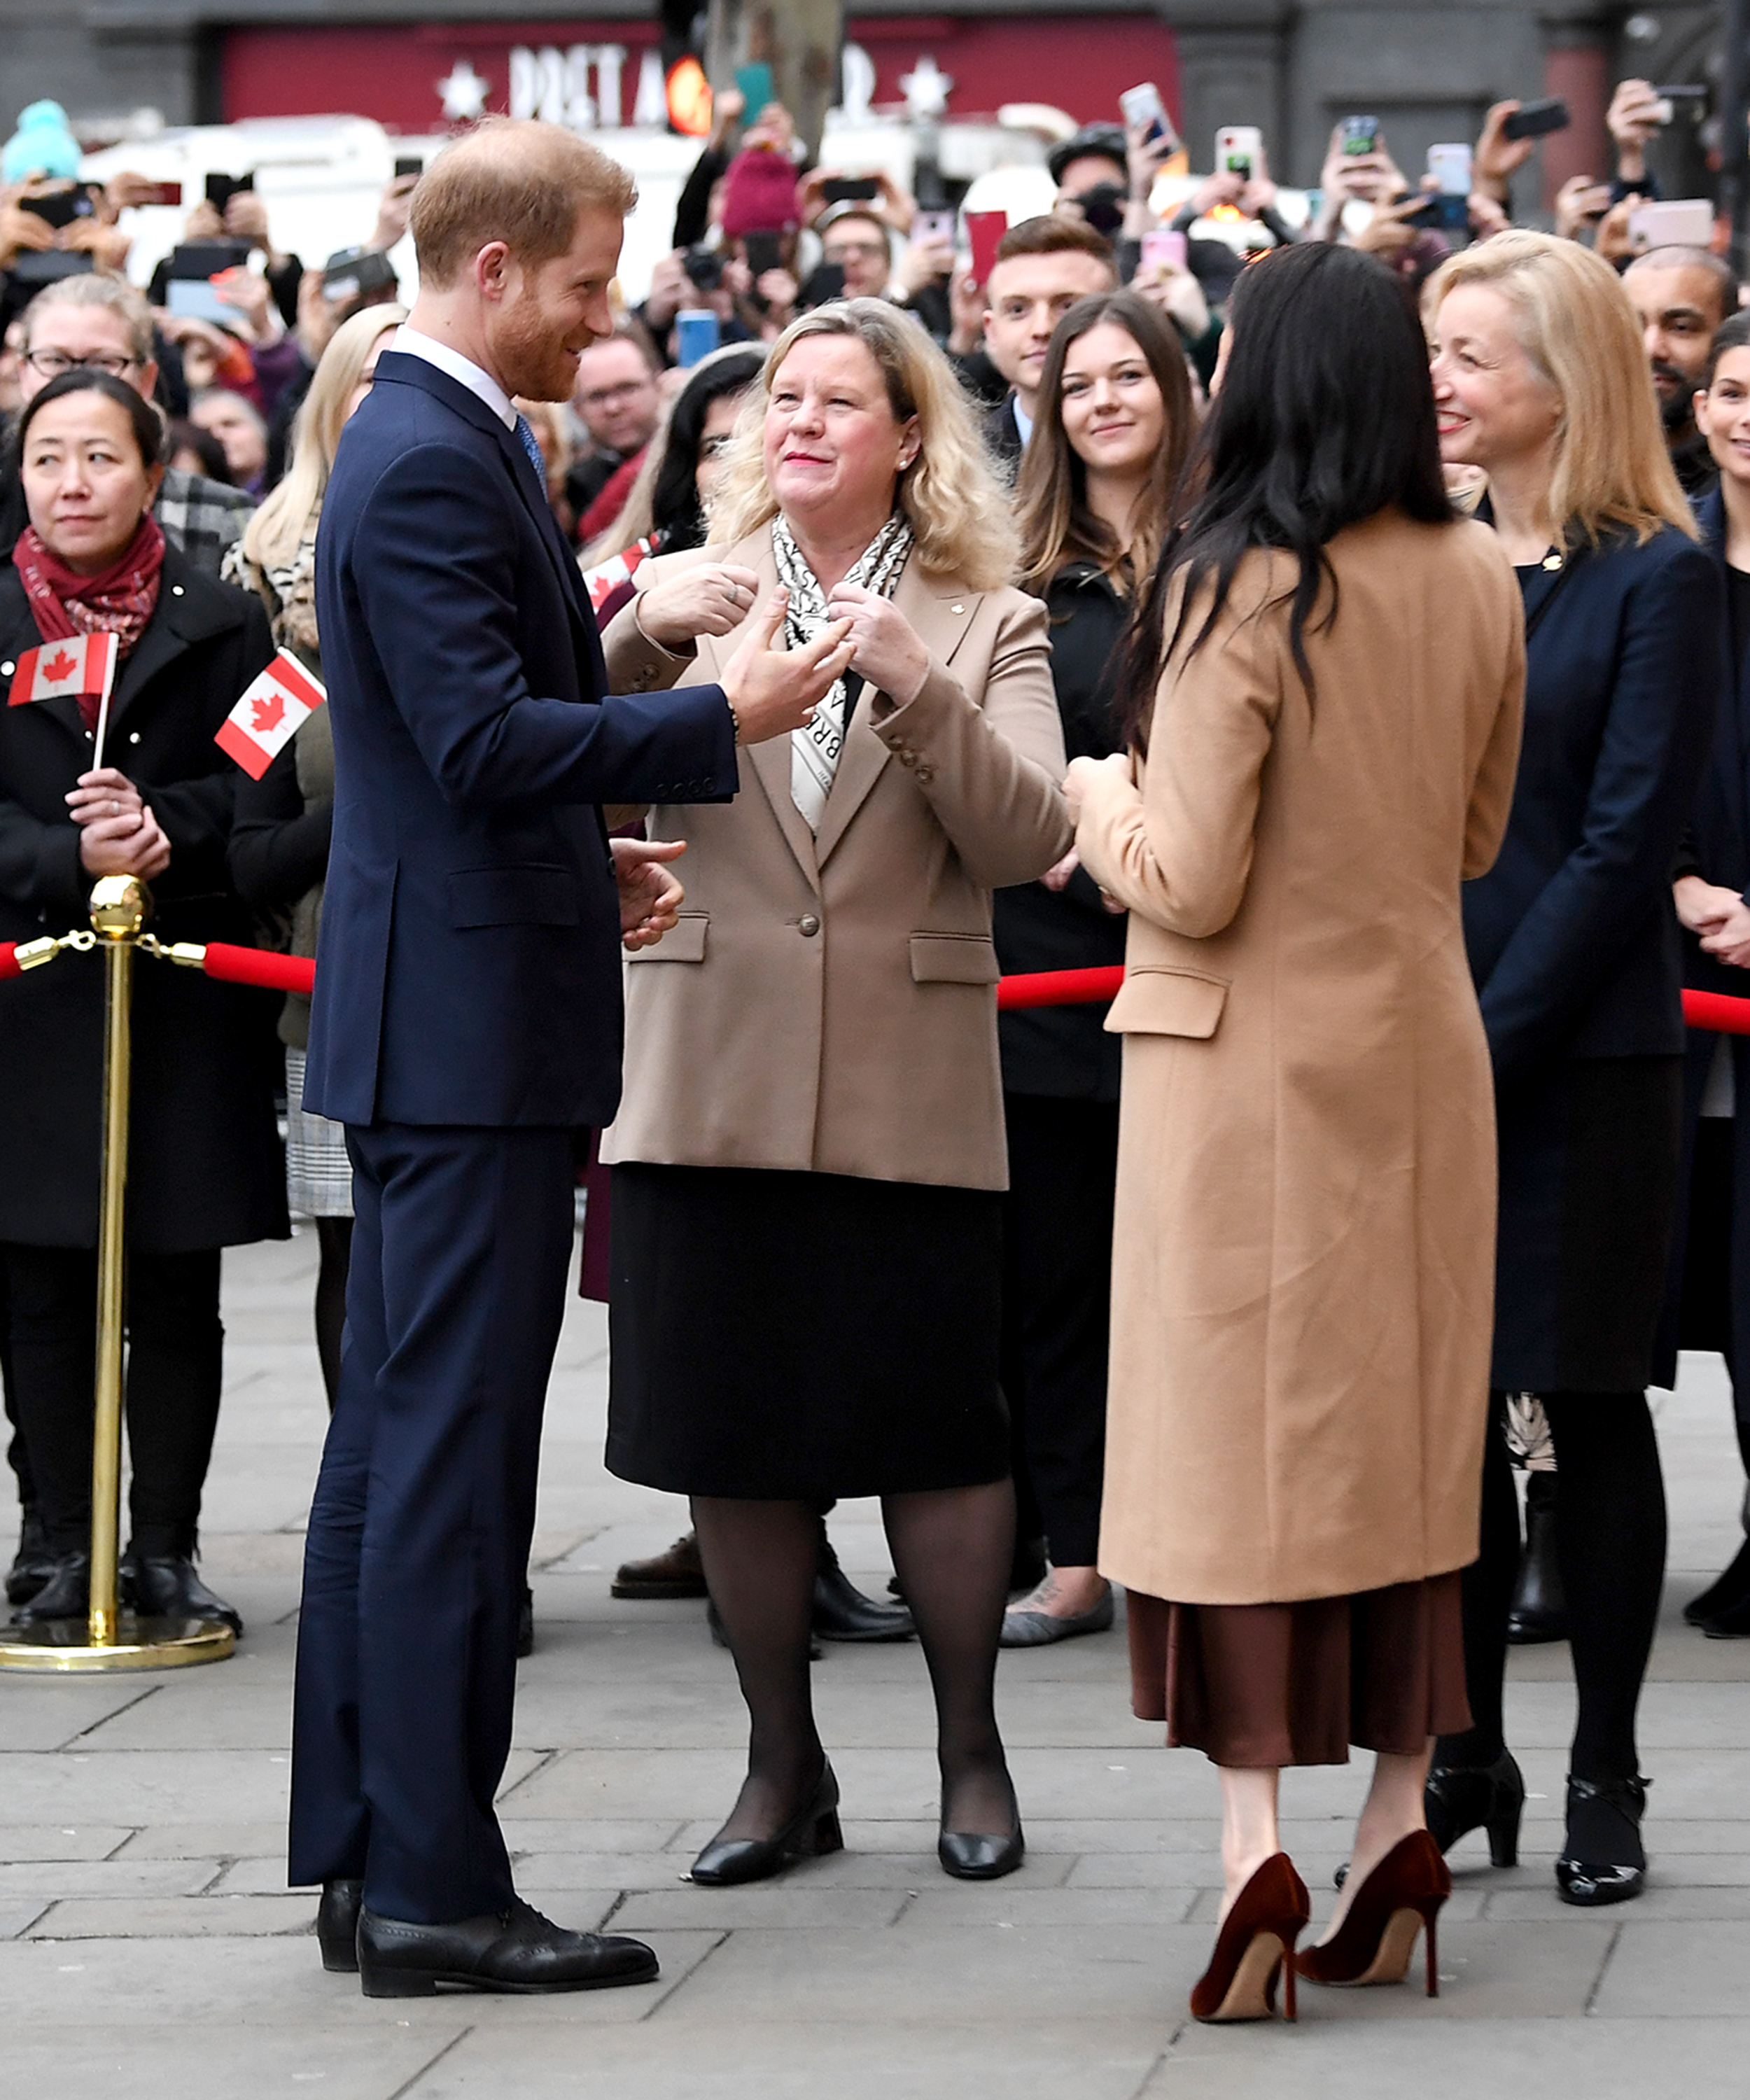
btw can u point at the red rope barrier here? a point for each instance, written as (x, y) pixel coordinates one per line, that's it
(1059, 988)
(1716, 1010)
(259, 966)
(9, 961)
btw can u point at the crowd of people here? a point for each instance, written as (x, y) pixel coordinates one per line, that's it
(1342, 627)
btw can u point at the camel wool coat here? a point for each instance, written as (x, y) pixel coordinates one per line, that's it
(1303, 1255)
(828, 1001)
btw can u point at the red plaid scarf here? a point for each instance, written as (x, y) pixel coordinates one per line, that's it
(120, 601)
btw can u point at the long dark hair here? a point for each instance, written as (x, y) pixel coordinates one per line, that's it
(1056, 525)
(675, 511)
(1326, 417)
(146, 424)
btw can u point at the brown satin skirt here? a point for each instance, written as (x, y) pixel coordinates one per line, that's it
(1296, 1684)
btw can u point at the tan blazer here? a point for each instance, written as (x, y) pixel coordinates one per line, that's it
(1304, 1250)
(829, 1003)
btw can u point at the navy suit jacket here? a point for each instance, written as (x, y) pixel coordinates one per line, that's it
(1572, 935)
(1720, 833)
(468, 970)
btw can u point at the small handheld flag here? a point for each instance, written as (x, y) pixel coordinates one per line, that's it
(262, 724)
(607, 577)
(82, 669)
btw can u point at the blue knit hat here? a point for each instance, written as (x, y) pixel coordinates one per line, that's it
(43, 145)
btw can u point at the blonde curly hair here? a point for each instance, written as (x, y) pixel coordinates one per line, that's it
(961, 515)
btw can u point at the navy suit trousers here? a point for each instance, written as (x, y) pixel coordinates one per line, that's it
(424, 1512)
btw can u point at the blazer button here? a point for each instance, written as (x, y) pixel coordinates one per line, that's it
(133, 736)
(808, 925)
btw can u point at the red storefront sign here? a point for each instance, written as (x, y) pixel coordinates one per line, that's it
(404, 77)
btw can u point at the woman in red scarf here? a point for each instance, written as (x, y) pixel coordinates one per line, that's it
(205, 1171)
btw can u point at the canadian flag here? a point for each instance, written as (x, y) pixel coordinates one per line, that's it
(85, 667)
(607, 577)
(262, 724)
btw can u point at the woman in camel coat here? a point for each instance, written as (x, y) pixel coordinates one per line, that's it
(1304, 1243)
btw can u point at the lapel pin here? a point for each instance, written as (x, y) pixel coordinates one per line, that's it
(1552, 561)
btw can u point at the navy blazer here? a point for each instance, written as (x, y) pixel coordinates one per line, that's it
(1572, 935)
(468, 970)
(1720, 831)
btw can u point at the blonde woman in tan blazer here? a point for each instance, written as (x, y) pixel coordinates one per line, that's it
(808, 1163)
(1304, 1242)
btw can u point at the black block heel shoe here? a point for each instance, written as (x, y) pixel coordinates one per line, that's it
(337, 1926)
(810, 1833)
(971, 1855)
(1459, 1798)
(1604, 1860)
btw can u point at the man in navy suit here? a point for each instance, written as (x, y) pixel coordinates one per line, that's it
(467, 1021)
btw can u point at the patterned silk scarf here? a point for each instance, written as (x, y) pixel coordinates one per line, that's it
(815, 751)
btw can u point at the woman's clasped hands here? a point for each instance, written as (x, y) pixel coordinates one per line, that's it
(119, 834)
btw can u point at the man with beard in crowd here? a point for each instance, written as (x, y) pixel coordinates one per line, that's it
(1682, 296)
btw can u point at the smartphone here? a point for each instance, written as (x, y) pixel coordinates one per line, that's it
(697, 332)
(929, 226)
(1673, 223)
(169, 193)
(60, 207)
(1670, 98)
(220, 189)
(1450, 166)
(195, 261)
(1238, 149)
(192, 298)
(1359, 135)
(1163, 245)
(754, 82)
(1532, 120)
(850, 189)
(703, 267)
(764, 251)
(1143, 105)
(409, 164)
(984, 231)
(1445, 212)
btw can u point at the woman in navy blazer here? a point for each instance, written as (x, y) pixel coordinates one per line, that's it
(1708, 1304)
(1540, 380)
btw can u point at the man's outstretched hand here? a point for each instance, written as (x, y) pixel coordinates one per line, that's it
(649, 897)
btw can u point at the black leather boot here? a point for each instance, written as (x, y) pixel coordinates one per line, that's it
(165, 1586)
(1539, 1611)
(67, 1594)
(33, 1564)
(842, 1613)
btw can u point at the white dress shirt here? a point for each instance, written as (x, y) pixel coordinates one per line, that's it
(462, 369)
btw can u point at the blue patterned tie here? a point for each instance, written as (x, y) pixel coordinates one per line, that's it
(532, 445)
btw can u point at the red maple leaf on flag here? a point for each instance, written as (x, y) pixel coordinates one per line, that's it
(60, 666)
(269, 713)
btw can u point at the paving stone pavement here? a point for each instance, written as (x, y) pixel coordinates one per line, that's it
(149, 1947)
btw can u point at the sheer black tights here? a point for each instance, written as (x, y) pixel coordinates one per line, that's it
(334, 1258)
(1610, 1543)
(952, 1548)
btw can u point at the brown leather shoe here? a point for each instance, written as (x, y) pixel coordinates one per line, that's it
(678, 1573)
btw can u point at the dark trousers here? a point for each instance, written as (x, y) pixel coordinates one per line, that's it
(424, 1510)
(1056, 1293)
(175, 1369)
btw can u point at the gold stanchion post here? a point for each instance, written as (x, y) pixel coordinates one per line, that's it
(113, 1639)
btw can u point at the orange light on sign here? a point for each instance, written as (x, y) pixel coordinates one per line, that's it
(690, 99)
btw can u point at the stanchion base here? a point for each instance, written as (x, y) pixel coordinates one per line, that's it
(62, 1645)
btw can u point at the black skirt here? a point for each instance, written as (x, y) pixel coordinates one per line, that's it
(781, 1336)
(1590, 1157)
